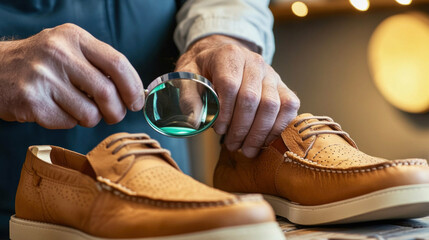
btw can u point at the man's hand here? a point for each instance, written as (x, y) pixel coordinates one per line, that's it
(255, 105)
(63, 76)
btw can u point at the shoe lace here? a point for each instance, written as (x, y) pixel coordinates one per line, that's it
(139, 138)
(323, 120)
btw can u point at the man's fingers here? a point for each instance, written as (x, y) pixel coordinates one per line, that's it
(117, 66)
(50, 115)
(289, 105)
(264, 119)
(227, 73)
(246, 105)
(77, 105)
(100, 88)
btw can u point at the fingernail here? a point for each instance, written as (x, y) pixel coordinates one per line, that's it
(250, 152)
(137, 105)
(233, 146)
(220, 129)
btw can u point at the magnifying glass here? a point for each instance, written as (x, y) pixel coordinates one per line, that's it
(181, 104)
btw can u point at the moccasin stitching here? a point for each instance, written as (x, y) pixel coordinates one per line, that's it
(290, 160)
(117, 189)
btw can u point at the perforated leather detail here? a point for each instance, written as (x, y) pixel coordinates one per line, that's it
(344, 156)
(175, 186)
(58, 197)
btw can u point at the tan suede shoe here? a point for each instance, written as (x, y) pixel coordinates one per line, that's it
(314, 174)
(128, 188)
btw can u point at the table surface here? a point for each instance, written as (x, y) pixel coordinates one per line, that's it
(417, 229)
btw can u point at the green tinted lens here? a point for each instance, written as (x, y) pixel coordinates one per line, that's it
(181, 107)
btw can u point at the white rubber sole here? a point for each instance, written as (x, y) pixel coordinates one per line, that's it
(24, 229)
(409, 201)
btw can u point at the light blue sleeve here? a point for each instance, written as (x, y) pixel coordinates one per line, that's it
(250, 20)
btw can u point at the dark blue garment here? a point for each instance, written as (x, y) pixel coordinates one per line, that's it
(140, 29)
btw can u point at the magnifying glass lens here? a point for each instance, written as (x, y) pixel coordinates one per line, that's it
(181, 107)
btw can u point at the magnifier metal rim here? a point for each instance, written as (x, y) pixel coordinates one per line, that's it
(179, 75)
(174, 76)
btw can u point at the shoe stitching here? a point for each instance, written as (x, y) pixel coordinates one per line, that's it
(128, 194)
(109, 184)
(384, 166)
(301, 158)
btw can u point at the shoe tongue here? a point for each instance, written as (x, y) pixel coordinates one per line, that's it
(107, 163)
(295, 142)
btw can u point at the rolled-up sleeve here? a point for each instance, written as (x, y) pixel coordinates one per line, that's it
(249, 20)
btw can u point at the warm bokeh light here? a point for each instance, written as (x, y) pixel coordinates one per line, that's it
(299, 9)
(404, 2)
(399, 61)
(361, 5)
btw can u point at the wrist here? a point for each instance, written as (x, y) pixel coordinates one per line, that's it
(217, 40)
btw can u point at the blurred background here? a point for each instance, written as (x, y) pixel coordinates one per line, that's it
(363, 63)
